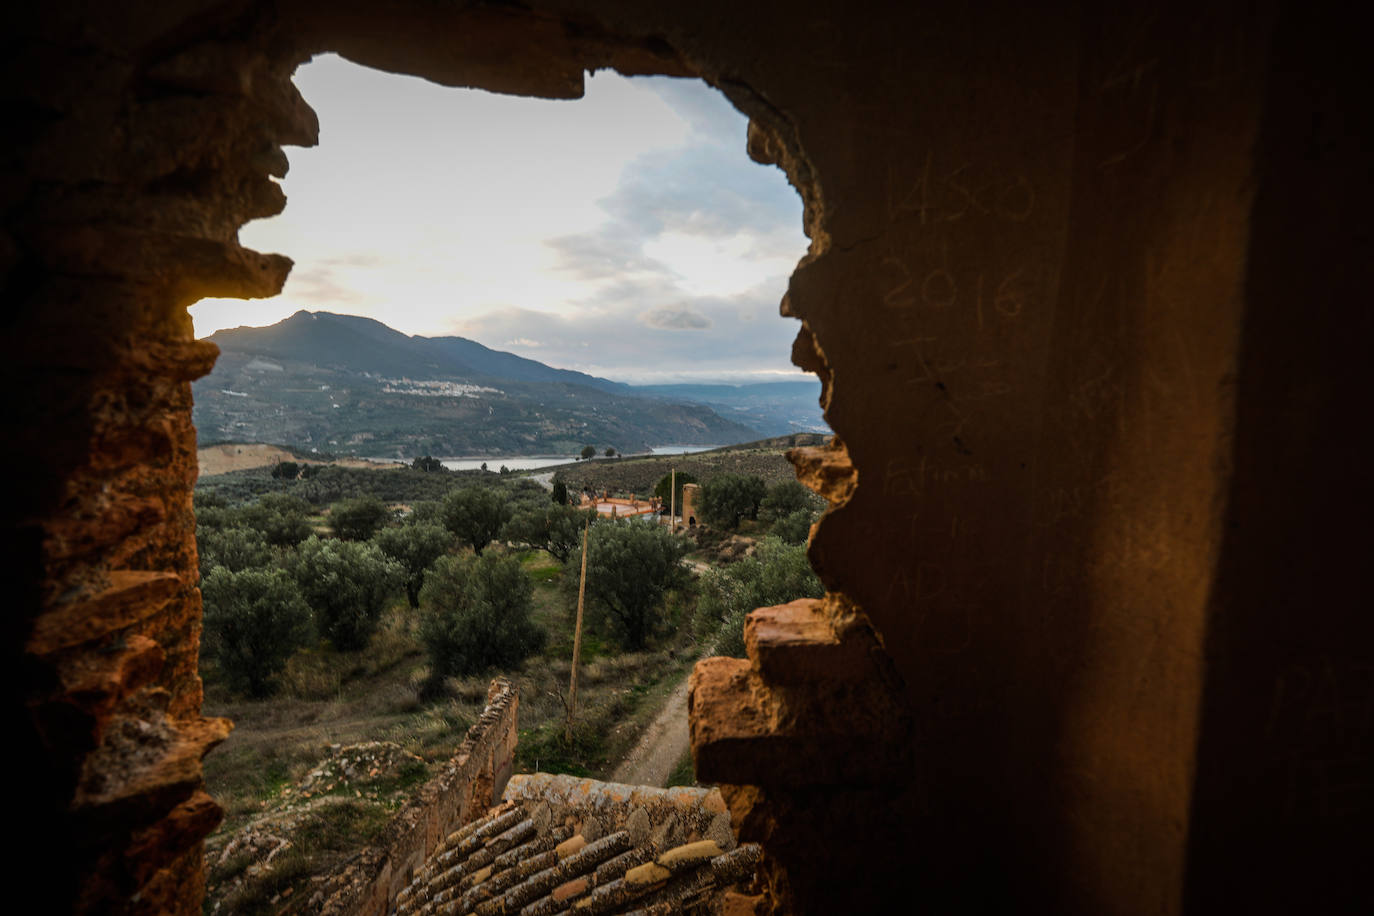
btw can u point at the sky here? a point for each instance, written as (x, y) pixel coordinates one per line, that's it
(626, 234)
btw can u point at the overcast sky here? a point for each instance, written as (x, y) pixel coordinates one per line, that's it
(626, 234)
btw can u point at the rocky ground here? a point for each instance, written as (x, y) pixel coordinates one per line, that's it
(350, 795)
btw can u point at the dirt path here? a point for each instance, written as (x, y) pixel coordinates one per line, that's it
(661, 746)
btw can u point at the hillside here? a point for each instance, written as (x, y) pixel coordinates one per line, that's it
(765, 458)
(351, 385)
(773, 408)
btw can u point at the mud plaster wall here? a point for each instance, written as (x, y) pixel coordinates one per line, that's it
(1081, 286)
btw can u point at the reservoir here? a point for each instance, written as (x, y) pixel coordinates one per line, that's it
(533, 462)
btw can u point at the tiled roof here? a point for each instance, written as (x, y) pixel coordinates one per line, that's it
(561, 844)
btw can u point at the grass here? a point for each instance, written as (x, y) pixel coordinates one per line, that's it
(684, 772)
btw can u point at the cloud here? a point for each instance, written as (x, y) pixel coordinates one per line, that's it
(742, 337)
(319, 285)
(679, 319)
(605, 254)
(704, 189)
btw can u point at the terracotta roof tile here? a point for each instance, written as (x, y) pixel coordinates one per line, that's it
(558, 844)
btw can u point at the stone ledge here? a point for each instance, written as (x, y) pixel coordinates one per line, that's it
(131, 596)
(795, 643)
(743, 732)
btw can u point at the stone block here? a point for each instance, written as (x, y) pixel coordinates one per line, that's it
(796, 644)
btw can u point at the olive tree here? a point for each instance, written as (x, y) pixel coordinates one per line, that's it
(728, 499)
(415, 546)
(358, 519)
(282, 518)
(795, 527)
(476, 615)
(785, 498)
(476, 515)
(347, 585)
(552, 528)
(630, 565)
(236, 549)
(254, 620)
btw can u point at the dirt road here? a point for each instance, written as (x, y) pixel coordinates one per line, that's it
(661, 746)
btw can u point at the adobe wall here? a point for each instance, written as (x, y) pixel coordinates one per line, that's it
(470, 784)
(1085, 289)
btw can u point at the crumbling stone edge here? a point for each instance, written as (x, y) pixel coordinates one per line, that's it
(468, 786)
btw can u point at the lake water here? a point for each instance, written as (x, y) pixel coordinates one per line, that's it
(532, 462)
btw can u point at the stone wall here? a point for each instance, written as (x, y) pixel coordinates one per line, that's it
(1085, 292)
(140, 144)
(471, 783)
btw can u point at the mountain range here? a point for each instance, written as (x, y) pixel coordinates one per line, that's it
(349, 385)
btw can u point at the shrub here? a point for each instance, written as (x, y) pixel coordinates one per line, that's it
(476, 615)
(776, 574)
(254, 620)
(347, 584)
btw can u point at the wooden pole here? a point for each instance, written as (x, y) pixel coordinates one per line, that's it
(672, 501)
(577, 636)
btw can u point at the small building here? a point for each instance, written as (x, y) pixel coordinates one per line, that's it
(691, 498)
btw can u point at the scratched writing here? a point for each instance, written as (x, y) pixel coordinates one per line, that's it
(941, 193)
(909, 477)
(937, 364)
(959, 376)
(1003, 295)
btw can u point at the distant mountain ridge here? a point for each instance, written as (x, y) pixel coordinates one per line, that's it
(773, 408)
(355, 342)
(352, 385)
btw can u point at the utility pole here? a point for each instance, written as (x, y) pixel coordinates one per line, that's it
(577, 636)
(672, 501)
